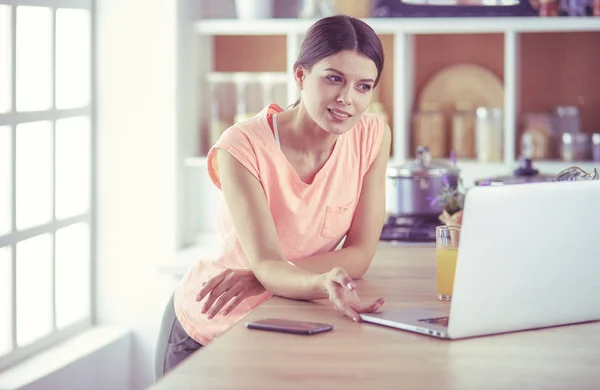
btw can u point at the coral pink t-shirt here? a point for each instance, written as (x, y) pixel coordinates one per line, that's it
(309, 218)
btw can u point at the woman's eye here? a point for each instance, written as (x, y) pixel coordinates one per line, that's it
(365, 87)
(336, 79)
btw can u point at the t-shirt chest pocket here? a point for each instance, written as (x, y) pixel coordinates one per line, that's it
(338, 219)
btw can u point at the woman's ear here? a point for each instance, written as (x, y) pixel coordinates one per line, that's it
(299, 74)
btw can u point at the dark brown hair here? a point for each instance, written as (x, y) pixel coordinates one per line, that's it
(333, 34)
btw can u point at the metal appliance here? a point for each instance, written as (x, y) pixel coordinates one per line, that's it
(412, 217)
(411, 186)
(409, 229)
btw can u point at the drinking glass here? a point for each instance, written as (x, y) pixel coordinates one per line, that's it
(446, 251)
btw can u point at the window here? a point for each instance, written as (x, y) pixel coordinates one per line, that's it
(46, 173)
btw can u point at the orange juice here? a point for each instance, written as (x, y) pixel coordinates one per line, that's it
(446, 265)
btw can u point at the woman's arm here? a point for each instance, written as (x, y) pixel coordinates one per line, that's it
(362, 238)
(316, 277)
(256, 232)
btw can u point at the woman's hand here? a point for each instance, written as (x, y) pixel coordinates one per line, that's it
(342, 293)
(227, 290)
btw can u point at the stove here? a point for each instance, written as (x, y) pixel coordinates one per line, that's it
(409, 229)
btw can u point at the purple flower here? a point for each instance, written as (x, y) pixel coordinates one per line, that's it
(445, 179)
(432, 200)
(453, 157)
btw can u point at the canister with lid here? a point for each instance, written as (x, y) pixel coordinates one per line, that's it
(596, 146)
(576, 147)
(489, 128)
(463, 130)
(430, 130)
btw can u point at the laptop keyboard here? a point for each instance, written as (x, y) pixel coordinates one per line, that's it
(441, 321)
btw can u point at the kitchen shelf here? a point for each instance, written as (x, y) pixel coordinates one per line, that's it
(400, 37)
(403, 31)
(406, 25)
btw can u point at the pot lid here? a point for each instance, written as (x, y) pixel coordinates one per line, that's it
(525, 173)
(423, 165)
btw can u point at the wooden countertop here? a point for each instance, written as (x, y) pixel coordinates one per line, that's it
(367, 356)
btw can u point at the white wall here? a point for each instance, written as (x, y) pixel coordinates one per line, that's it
(105, 368)
(136, 111)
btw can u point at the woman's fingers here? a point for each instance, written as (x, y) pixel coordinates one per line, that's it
(352, 314)
(352, 311)
(344, 298)
(222, 300)
(212, 283)
(371, 308)
(342, 303)
(213, 296)
(346, 309)
(343, 279)
(233, 303)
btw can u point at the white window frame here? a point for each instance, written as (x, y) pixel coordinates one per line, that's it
(14, 118)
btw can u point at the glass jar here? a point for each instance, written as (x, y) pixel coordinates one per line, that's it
(596, 146)
(576, 147)
(489, 128)
(567, 119)
(463, 131)
(430, 130)
(536, 140)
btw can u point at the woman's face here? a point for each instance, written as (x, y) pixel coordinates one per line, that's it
(338, 90)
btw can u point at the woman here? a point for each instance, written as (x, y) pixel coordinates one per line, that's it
(295, 183)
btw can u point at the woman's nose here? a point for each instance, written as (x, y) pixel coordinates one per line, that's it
(344, 96)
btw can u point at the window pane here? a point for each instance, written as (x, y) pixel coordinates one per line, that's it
(5, 180)
(34, 288)
(72, 166)
(5, 300)
(34, 58)
(34, 174)
(72, 58)
(72, 274)
(5, 59)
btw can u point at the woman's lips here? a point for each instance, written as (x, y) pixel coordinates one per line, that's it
(339, 114)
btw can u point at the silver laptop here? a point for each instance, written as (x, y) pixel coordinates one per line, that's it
(529, 258)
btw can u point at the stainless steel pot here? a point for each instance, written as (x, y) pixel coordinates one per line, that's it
(410, 187)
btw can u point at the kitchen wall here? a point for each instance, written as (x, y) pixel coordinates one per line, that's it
(137, 145)
(137, 149)
(562, 69)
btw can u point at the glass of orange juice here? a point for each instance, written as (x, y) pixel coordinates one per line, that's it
(446, 251)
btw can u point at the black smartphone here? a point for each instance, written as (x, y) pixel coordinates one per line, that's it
(289, 326)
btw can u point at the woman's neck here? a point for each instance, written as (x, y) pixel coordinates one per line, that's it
(297, 128)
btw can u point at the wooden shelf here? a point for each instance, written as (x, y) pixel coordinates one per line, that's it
(406, 25)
